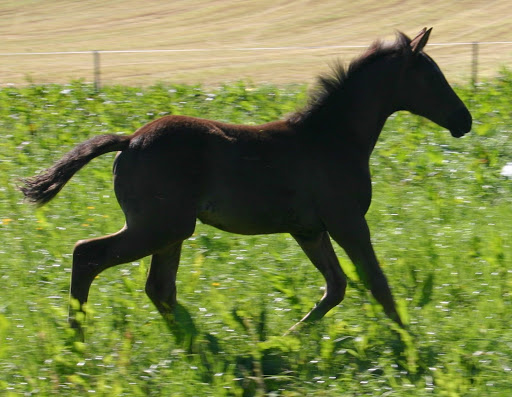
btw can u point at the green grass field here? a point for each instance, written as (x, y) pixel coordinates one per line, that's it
(441, 223)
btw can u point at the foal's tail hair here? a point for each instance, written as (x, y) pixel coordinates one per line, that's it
(43, 187)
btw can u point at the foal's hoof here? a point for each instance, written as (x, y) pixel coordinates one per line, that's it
(295, 329)
(77, 327)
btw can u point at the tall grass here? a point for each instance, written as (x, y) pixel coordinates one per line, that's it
(441, 223)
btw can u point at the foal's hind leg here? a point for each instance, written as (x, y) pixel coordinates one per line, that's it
(161, 282)
(161, 289)
(91, 257)
(319, 250)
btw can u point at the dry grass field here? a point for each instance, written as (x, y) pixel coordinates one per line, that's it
(221, 28)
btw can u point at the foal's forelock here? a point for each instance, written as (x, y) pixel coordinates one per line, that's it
(379, 49)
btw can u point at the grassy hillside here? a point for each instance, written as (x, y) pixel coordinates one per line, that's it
(42, 26)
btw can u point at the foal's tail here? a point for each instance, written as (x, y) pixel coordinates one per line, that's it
(42, 188)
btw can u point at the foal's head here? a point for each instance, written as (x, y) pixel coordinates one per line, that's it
(424, 90)
(400, 74)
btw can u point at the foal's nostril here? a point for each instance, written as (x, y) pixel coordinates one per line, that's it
(460, 122)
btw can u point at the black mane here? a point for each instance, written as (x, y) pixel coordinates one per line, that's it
(328, 95)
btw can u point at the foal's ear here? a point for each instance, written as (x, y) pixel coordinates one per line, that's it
(420, 40)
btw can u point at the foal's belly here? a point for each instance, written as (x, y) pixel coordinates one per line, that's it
(253, 217)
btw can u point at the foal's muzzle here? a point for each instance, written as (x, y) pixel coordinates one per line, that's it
(459, 122)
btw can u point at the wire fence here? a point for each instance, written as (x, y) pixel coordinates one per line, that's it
(139, 66)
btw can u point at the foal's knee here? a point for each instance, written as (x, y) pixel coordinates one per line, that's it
(336, 293)
(378, 283)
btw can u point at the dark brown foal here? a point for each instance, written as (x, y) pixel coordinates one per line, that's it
(307, 175)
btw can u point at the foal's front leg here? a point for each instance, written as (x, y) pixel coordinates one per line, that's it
(353, 235)
(319, 250)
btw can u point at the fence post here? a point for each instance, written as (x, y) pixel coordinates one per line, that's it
(97, 76)
(474, 65)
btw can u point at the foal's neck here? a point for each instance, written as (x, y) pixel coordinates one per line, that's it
(372, 94)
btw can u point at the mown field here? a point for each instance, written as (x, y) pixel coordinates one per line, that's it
(224, 27)
(441, 223)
